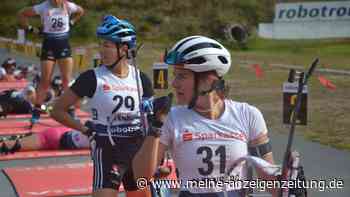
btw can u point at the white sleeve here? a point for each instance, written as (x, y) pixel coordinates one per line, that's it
(39, 9)
(167, 134)
(257, 125)
(72, 7)
(2, 72)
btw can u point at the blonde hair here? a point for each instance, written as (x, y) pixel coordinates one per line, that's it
(213, 76)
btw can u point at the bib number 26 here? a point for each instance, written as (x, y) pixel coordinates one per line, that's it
(57, 23)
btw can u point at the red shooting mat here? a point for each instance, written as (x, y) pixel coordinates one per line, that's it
(56, 180)
(13, 85)
(43, 154)
(78, 112)
(53, 180)
(8, 127)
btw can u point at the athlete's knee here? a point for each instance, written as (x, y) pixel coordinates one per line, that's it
(104, 192)
(139, 193)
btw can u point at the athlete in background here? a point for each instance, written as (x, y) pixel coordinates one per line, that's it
(55, 138)
(7, 70)
(57, 17)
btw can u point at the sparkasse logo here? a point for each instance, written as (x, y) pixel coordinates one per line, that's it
(106, 87)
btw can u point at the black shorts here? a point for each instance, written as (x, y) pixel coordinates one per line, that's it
(55, 48)
(118, 158)
(13, 105)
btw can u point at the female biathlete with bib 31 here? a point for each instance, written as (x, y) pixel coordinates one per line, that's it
(206, 132)
(56, 20)
(113, 100)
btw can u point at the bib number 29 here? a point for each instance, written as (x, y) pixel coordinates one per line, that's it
(127, 101)
(208, 154)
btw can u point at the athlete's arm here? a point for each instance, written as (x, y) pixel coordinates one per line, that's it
(84, 86)
(262, 148)
(23, 16)
(77, 15)
(148, 158)
(259, 144)
(2, 73)
(61, 107)
(151, 151)
(146, 86)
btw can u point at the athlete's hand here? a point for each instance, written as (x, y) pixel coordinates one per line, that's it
(35, 115)
(91, 129)
(163, 172)
(90, 133)
(71, 23)
(34, 30)
(161, 107)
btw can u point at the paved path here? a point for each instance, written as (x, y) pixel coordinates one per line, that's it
(320, 162)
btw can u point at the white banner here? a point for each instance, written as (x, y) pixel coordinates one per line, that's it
(305, 30)
(315, 11)
(313, 20)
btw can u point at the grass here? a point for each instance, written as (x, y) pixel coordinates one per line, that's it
(328, 111)
(333, 53)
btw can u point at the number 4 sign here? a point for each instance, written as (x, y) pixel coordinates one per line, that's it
(289, 102)
(160, 76)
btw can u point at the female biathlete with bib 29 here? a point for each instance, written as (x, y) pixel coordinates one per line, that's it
(206, 132)
(111, 89)
(56, 20)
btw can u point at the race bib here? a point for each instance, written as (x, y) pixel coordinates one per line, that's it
(57, 22)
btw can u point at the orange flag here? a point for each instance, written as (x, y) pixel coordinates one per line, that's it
(258, 70)
(326, 83)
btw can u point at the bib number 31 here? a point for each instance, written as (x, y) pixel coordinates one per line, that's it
(208, 154)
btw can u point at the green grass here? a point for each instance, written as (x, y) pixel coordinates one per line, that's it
(333, 53)
(328, 111)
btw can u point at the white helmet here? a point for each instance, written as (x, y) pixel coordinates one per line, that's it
(200, 54)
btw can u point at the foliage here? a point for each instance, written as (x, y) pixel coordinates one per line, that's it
(165, 20)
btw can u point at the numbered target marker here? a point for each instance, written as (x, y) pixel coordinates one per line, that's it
(289, 102)
(160, 76)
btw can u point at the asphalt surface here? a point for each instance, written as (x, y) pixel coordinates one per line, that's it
(321, 163)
